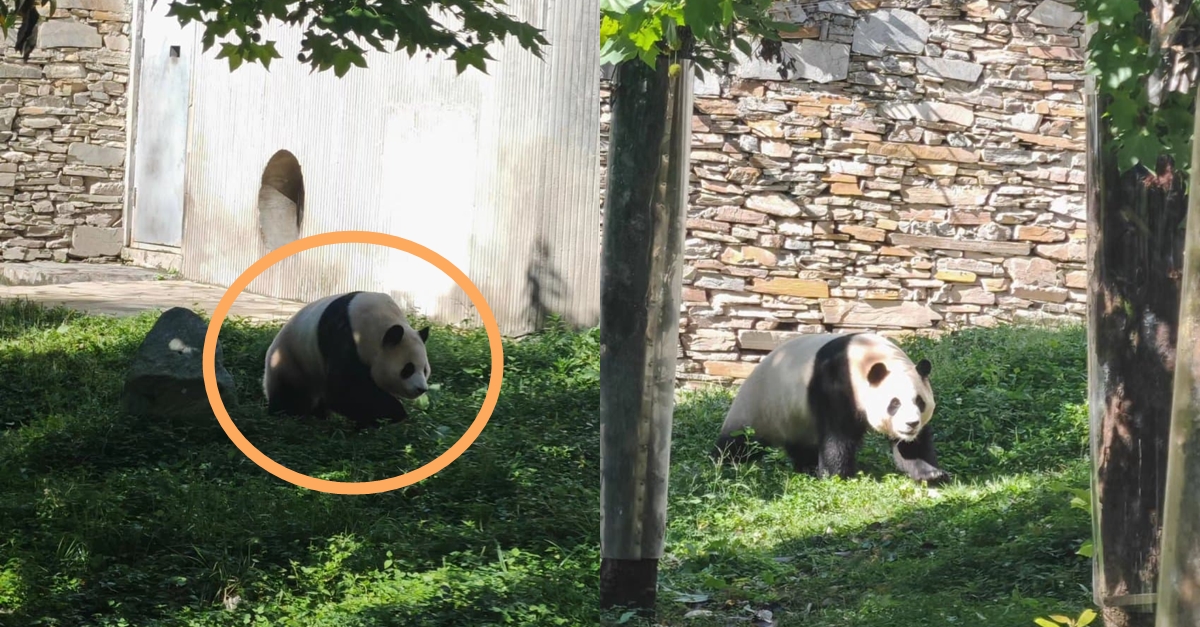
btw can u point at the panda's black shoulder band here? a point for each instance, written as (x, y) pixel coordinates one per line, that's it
(335, 337)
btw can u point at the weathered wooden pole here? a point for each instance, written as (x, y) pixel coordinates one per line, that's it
(640, 286)
(1135, 242)
(1179, 569)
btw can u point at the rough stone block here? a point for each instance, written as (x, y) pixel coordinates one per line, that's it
(1033, 272)
(112, 6)
(774, 204)
(1054, 14)
(905, 314)
(803, 288)
(165, 379)
(951, 69)
(938, 112)
(764, 340)
(813, 60)
(90, 241)
(728, 369)
(19, 70)
(949, 243)
(68, 33)
(890, 30)
(96, 155)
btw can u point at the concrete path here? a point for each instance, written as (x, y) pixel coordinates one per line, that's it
(125, 291)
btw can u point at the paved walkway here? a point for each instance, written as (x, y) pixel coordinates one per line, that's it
(131, 297)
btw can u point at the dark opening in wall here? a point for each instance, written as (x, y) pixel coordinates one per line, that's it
(281, 200)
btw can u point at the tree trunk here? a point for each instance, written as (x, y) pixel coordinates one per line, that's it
(1135, 242)
(1179, 576)
(641, 281)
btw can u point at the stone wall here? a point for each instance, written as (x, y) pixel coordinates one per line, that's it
(919, 168)
(62, 127)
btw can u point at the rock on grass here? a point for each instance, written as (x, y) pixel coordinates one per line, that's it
(165, 379)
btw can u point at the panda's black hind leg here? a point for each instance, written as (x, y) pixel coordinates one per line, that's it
(918, 459)
(735, 449)
(804, 458)
(286, 398)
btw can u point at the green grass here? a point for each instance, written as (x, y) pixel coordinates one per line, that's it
(995, 548)
(108, 520)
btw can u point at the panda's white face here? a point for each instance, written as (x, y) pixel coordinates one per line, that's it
(899, 401)
(401, 367)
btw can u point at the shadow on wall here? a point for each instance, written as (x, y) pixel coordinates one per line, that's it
(281, 200)
(545, 285)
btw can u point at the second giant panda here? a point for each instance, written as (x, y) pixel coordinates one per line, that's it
(816, 395)
(354, 354)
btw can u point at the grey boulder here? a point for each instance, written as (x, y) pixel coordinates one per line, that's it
(165, 379)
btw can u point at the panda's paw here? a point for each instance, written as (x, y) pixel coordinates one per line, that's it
(933, 477)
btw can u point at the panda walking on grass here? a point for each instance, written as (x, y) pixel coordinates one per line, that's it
(816, 395)
(354, 354)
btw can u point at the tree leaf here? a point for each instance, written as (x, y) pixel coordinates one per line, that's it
(700, 15)
(649, 57)
(618, 6)
(648, 35)
(1086, 550)
(616, 50)
(744, 47)
(1045, 623)
(608, 28)
(1139, 148)
(1086, 618)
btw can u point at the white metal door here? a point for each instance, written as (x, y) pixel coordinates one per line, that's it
(160, 146)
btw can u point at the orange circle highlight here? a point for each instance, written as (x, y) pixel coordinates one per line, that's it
(208, 363)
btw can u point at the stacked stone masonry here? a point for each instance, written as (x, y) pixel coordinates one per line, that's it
(918, 167)
(62, 130)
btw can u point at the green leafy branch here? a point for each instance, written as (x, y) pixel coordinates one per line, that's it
(705, 31)
(338, 33)
(1127, 54)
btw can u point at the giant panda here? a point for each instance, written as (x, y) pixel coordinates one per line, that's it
(354, 354)
(816, 395)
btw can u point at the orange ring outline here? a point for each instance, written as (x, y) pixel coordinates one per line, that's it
(208, 363)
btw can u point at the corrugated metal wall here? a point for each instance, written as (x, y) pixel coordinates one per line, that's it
(496, 173)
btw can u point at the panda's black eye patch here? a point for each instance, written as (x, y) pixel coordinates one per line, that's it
(893, 406)
(408, 370)
(920, 403)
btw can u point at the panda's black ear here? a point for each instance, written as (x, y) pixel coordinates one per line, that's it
(393, 335)
(924, 368)
(423, 334)
(876, 374)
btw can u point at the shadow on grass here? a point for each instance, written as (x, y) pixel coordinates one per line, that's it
(859, 555)
(105, 517)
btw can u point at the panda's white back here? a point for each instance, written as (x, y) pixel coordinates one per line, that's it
(295, 348)
(774, 398)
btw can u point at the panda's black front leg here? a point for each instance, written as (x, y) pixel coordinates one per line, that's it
(838, 454)
(918, 459)
(366, 404)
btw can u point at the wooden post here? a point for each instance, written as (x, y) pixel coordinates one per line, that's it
(641, 281)
(1179, 571)
(1135, 248)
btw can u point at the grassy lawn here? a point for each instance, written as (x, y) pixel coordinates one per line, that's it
(107, 520)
